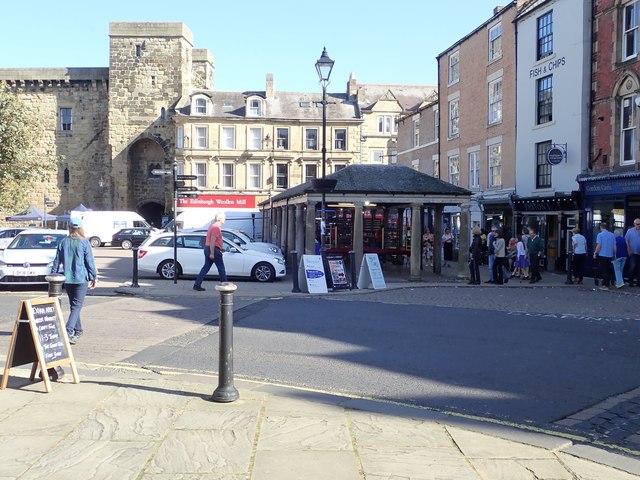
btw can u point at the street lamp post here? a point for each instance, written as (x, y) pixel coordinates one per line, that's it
(324, 65)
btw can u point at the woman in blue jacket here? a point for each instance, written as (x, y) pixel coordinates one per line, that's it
(74, 258)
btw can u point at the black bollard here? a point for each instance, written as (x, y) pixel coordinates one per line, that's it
(134, 281)
(296, 281)
(225, 392)
(569, 280)
(352, 268)
(56, 280)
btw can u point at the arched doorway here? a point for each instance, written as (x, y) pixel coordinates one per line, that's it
(152, 213)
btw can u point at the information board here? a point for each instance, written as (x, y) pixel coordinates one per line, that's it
(338, 275)
(40, 338)
(311, 274)
(371, 273)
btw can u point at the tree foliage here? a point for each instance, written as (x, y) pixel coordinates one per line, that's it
(24, 161)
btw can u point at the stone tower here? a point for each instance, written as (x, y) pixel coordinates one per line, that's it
(151, 67)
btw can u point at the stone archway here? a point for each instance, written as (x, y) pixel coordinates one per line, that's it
(145, 188)
(152, 213)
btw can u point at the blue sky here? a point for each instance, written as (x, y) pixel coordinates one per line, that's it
(381, 42)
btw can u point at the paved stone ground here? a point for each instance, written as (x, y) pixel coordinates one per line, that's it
(614, 423)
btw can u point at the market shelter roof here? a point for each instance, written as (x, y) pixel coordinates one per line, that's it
(382, 183)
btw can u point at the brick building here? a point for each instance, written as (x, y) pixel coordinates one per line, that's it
(610, 182)
(477, 106)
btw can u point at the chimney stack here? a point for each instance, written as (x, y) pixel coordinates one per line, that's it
(270, 89)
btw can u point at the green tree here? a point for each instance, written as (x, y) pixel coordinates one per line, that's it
(24, 163)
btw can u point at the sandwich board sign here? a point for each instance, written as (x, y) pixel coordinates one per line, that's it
(337, 271)
(371, 273)
(311, 274)
(39, 337)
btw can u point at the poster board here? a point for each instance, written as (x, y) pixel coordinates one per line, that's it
(337, 272)
(371, 273)
(311, 275)
(40, 338)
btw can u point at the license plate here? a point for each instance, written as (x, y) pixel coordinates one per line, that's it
(25, 273)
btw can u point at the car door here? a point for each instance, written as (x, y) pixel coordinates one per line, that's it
(234, 261)
(191, 254)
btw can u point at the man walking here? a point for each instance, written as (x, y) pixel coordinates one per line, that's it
(535, 246)
(213, 246)
(604, 254)
(632, 237)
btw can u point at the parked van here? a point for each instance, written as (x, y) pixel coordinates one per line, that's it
(249, 221)
(99, 226)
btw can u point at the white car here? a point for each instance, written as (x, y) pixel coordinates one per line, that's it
(29, 257)
(155, 255)
(8, 234)
(242, 239)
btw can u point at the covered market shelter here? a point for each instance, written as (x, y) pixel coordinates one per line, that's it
(371, 209)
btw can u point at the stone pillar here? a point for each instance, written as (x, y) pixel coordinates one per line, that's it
(416, 243)
(282, 233)
(310, 235)
(291, 230)
(464, 241)
(358, 240)
(437, 240)
(300, 230)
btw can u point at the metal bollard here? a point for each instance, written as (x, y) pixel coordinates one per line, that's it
(296, 281)
(134, 281)
(569, 280)
(352, 267)
(225, 392)
(56, 280)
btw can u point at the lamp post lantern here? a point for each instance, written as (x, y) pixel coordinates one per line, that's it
(324, 65)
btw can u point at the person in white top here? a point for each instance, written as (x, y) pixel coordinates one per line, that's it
(579, 244)
(522, 263)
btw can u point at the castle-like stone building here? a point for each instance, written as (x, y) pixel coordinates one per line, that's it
(155, 104)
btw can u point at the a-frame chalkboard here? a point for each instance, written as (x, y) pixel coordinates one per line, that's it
(39, 337)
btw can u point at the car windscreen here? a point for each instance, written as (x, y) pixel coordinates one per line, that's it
(36, 241)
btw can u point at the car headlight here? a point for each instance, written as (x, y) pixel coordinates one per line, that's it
(273, 249)
(279, 260)
(2, 263)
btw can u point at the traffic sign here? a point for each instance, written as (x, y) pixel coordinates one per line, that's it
(160, 171)
(187, 189)
(187, 177)
(187, 195)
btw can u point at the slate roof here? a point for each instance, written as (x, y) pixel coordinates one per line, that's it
(407, 95)
(381, 179)
(283, 105)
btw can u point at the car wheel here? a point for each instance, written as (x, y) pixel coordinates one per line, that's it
(95, 242)
(263, 272)
(167, 270)
(126, 244)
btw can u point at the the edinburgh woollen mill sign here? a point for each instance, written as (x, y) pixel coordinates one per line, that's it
(40, 338)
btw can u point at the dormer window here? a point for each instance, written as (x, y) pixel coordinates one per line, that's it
(255, 107)
(200, 106)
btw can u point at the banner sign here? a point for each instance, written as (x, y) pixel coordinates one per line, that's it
(218, 201)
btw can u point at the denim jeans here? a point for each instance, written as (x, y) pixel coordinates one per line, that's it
(492, 259)
(76, 293)
(618, 268)
(208, 262)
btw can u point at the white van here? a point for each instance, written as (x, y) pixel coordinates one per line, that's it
(99, 226)
(249, 221)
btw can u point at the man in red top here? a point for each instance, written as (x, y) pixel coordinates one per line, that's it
(213, 248)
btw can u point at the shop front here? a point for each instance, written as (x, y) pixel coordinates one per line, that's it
(611, 198)
(554, 217)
